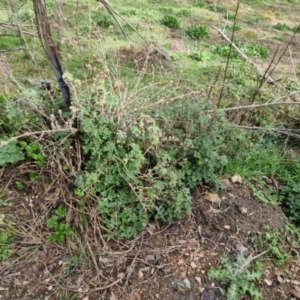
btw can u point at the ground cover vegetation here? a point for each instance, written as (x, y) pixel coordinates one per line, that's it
(165, 98)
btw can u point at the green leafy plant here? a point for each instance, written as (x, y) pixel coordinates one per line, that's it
(25, 15)
(236, 27)
(34, 152)
(199, 3)
(103, 20)
(199, 55)
(273, 241)
(197, 32)
(171, 21)
(219, 8)
(251, 49)
(142, 169)
(166, 10)
(230, 15)
(3, 201)
(129, 12)
(19, 185)
(5, 247)
(282, 27)
(32, 176)
(10, 153)
(239, 279)
(254, 20)
(57, 224)
(280, 38)
(291, 204)
(263, 192)
(13, 152)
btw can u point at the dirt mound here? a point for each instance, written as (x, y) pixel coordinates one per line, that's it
(164, 262)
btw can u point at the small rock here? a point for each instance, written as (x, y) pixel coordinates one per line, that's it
(214, 198)
(279, 279)
(150, 257)
(187, 283)
(140, 274)
(193, 265)
(198, 279)
(243, 210)
(236, 179)
(268, 282)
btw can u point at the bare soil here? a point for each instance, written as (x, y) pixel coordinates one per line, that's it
(164, 262)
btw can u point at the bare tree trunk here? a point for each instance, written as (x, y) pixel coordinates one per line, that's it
(44, 33)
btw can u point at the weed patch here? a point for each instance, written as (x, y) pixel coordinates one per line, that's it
(171, 21)
(197, 32)
(58, 225)
(273, 241)
(5, 246)
(141, 168)
(239, 279)
(291, 204)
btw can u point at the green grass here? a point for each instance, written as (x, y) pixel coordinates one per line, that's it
(264, 158)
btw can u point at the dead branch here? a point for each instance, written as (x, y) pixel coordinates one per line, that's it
(252, 106)
(15, 27)
(42, 132)
(288, 132)
(245, 57)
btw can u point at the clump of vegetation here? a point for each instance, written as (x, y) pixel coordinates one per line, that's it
(230, 15)
(273, 241)
(143, 167)
(5, 246)
(25, 15)
(197, 32)
(236, 27)
(166, 10)
(263, 192)
(219, 8)
(199, 3)
(291, 195)
(254, 20)
(280, 38)
(239, 279)
(282, 27)
(296, 28)
(252, 49)
(10, 153)
(129, 12)
(183, 13)
(171, 21)
(199, 55)
(103, 20)
(58, 225)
